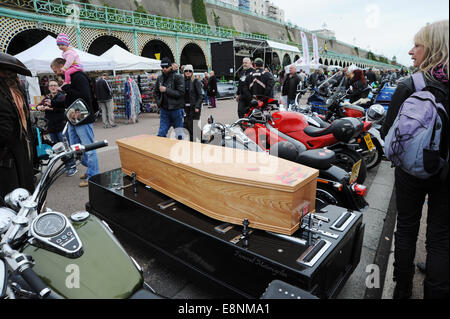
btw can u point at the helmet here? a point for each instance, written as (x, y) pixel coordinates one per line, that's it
(284, 149)
(10, 63)
(376, 112)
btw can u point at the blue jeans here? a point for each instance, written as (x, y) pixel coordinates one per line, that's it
(205, 96)
(84, 134)
(57, 137)
(170, 118)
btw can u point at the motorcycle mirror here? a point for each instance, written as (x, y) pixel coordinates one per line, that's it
(3, 280)
(77, 113)
(210, 119)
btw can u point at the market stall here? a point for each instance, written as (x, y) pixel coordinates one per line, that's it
(129, 68)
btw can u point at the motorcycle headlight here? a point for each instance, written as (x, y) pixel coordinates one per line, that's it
(376, 112)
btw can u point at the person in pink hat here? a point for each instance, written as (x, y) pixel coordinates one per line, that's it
(73, 62)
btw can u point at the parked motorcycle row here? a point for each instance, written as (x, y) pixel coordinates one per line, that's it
(342, 143)
(42, 252)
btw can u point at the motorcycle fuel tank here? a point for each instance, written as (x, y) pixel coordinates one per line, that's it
(103, 271)
(288, 122)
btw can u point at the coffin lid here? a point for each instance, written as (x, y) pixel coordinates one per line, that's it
(237, 166)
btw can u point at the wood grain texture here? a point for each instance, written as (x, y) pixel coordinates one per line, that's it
(270, 192)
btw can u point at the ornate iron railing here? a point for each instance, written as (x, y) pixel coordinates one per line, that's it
(105, 14)
(109, 15)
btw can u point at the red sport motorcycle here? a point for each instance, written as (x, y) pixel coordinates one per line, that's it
(339, 136)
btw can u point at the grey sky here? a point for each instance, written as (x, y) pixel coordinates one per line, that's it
(384, 27)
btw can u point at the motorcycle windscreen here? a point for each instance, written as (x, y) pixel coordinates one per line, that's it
(104, 271)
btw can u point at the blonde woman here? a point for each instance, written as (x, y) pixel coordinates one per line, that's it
(193, 97)
(430, 56)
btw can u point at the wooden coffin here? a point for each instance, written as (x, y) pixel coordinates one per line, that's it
(224, 183)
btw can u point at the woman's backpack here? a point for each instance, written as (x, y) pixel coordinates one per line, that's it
(413, 143)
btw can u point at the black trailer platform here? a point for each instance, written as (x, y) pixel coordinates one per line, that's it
(318, 258)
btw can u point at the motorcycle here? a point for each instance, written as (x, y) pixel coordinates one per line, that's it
(370, 142)
(45, 254)
(333, 184)
(382, 94)
(294, 127)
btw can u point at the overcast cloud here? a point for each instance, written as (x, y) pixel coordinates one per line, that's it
(384, 27)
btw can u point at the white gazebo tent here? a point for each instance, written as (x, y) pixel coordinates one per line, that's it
(38, 58)
(124, 60)
(304, 66)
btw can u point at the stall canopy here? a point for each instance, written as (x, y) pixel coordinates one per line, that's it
(282, 46)
(39, 57)
(307, 67)
(124, 60)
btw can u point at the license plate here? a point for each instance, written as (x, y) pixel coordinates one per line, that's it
(355, 171)
(369, 142)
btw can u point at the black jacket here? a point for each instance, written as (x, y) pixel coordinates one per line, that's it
(102, 90)
(315, 79)
(290, 86)
(371, 77)
(240, 92)
(356, 93)
(173, 98)
(404, 89)
(194, 97)
(56, 117)
(16, 145)
(259, 83)
(80, 88)
(212, 86)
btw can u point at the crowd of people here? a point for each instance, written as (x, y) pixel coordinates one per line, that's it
(180, 96)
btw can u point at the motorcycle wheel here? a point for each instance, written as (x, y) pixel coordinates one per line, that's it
(346, 158)
(326, 195)
(375, 158)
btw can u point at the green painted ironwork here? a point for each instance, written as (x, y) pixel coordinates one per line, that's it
(138, 22)
(104, 14)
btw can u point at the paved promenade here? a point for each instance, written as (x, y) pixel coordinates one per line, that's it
(379, 219)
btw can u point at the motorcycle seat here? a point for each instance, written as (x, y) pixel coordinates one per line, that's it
(343, 129)
(321, 159)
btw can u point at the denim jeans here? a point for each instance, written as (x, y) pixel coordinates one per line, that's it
(58, 137)
(84, 134)
(205, 97)
(170, 118)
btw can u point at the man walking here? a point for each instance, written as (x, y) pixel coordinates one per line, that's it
(169, 93)
(79, 88)
(212, 89)
(241, 98)
(290, 85)
(105, 101)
